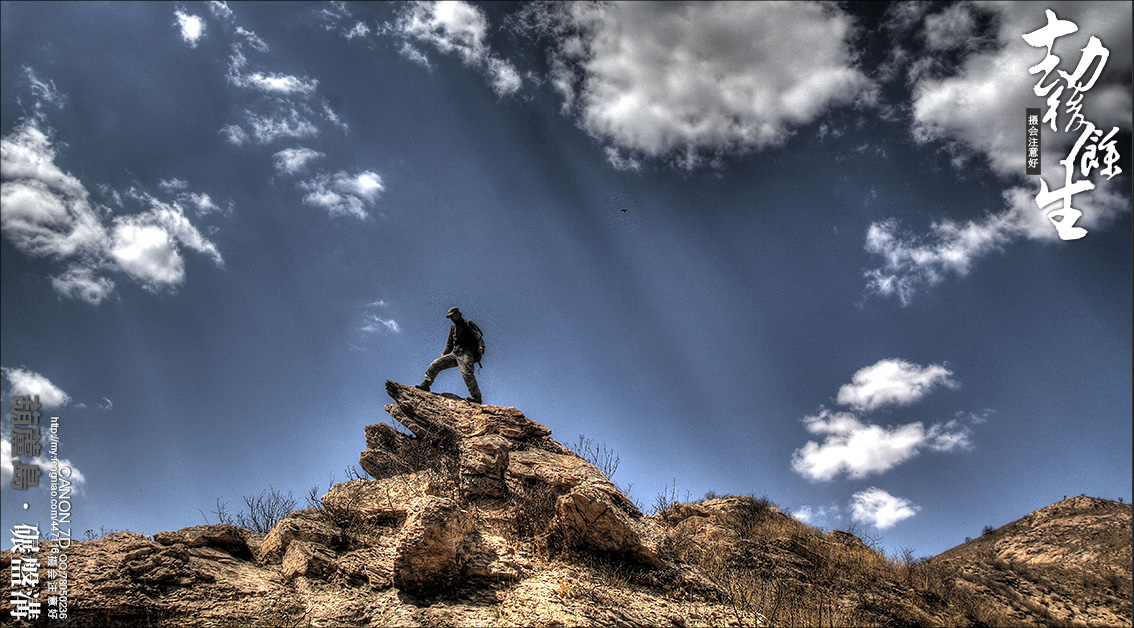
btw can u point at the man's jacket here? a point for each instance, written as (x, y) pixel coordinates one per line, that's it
(464, 336)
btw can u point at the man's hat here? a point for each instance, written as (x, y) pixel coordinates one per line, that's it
(453, 311)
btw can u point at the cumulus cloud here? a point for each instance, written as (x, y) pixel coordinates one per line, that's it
(48, 213)
(859, 449)
(852, 446)
(25, 382)
(342, 193)
(290, 161)
(690, 81)
(459, 28)
(880, 509)
(892, 382)
(45, 212)
(974, 111)
(192, 27)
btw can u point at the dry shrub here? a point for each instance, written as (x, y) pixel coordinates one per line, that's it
(533, 508)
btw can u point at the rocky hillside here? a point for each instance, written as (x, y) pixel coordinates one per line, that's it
(1066, 564)
(480, 518)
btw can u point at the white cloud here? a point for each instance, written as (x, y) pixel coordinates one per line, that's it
(859, 450)
(410, 52)
(461, 28)
(293, 160)
(45, 92)
(146, 246)
(147, 253)
(952, 28)
(252, 39)
(360, 30)
(274, 83)
(82, 282)
(855, 448)
(25, 382)
(892, 382)
(192, 27)
(343, 193)
(220, 10)
(235, 134)
(289, 123)
(378, 324)
(47, 213)
(880, 509)
(44, 212)
(202, 203)
(173, 185)
(912, 262)
(814, 516)
(690, 81)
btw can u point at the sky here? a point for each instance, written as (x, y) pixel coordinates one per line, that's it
(784, 250)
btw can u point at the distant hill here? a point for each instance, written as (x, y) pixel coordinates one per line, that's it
(477, 517)
(1066, 564)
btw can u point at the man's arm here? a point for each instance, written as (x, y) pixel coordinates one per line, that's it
(479, 338)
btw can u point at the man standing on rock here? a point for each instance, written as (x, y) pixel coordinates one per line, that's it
(463, 350)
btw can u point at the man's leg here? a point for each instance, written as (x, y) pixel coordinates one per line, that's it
(446, 361)
(465, 361)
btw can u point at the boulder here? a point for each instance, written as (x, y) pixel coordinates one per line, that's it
(427, 556)
(590, 517)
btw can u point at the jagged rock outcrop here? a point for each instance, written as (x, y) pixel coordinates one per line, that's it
(495, 451)
(476, 516)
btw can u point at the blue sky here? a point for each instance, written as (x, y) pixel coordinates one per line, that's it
(782, 250)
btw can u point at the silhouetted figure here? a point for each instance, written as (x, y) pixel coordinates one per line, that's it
(463, 350)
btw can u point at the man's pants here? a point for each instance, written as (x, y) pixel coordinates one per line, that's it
(462, 360)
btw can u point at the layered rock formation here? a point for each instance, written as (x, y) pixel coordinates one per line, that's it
(474, 515)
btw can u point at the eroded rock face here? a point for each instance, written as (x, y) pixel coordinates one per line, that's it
(483, 460)
(304, 558)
